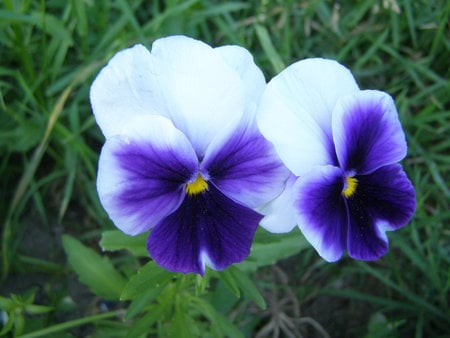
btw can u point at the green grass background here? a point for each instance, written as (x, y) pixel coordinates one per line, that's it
(49, 144)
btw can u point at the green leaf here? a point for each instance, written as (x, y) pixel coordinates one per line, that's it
(114, 240)
(227, 278)
(150, 276)
(380, 327)
(144, 300)
(269, 248)
(95, 271)
(19, 325)
(7, 327)
(80, 11)
(247, 287)
(6, 304)
(143, 325)
(219, 322)
(38, 309)
(182, 324)
(270, 50)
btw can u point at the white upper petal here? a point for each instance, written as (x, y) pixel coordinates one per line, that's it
(123, 89)
(295, 111)
(242, 62)
(201, 92)
(200, 89)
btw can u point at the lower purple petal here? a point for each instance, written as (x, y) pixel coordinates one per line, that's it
(321, 211)
(364, 241)
(207, 229)
(384, 200)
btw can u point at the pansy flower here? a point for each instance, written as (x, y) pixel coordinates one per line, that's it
(343, 145)
(183, 155)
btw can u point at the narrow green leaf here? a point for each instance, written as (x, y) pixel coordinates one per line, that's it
(6, 304)
(114, 240)
(129, 14)
(38, 154)
(144, 300)
(415, 299)
(227, 278)
(171, 12)
(366, 297)
(8, 326)
(95, 271)
(38, 309)
(80, 11)
(19, 325)
(268, 47)
(53, 26)
(182, 324)
(218, 321)
(143, 325)
(220, 9)
(64, 326)
(68, 189)
(247, 286)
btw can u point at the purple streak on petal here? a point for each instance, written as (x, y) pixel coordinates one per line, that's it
(384, 200)
(245, 166)
(150, 183)
(367, 132)
(321, 210)
(208, 228)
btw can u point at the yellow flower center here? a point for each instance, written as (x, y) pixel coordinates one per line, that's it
(350, 186)
(197, 187)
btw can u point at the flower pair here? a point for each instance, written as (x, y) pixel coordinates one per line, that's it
(185, 158)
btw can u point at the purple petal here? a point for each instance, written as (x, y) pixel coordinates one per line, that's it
(365, 241)
(321, 211)
(244, 165)
(207, 229)
(367, 132)
(384, 200)
(141, 177)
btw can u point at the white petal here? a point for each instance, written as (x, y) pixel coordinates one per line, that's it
(202, 93)
(123, 89)
(295, 111)
(279, 213)
(242, 62)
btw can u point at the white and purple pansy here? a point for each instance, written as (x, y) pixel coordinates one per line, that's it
(183, 155)
(343, 144)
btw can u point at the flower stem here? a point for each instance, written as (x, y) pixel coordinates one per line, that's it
(70, 324)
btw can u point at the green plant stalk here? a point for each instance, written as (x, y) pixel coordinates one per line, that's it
(67, 325)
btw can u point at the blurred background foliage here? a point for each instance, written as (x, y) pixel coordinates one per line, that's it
(52, 221)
